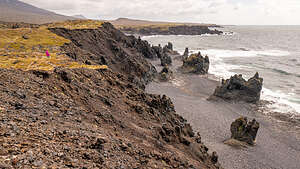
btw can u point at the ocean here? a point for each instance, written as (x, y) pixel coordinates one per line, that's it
(273, 51)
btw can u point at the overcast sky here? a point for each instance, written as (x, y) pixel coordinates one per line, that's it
(249, 12)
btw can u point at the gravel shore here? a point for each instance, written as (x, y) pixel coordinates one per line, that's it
(277, 141)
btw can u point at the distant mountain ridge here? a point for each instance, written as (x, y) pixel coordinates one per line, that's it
(17, 11)
(79, 17)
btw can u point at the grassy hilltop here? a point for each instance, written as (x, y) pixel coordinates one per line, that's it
(25, 48)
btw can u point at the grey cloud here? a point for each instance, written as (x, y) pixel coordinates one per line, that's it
(212, 11)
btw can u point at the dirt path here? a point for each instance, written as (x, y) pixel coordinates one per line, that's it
(277, 146)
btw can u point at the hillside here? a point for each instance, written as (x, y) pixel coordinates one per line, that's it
(17, 11)
(92, 113)
(126, 22)
(79, 17)
(146, 28)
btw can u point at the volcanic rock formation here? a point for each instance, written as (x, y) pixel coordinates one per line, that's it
(196, 63)
(171, 30)
(185, 54)
(238, 89)
(102, 118)
(158, 50)
(166, 74)
(166, 59)
(244, 131)
(109, 46)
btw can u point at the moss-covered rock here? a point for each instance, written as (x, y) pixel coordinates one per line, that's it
(196, 64)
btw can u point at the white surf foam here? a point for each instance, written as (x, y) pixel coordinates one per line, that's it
(243, 53)
(282, 102)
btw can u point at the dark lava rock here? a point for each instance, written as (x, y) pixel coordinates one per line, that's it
(244, 131)
(82, 114)
(166, 74)
(170, 46)
(186, 53)
(172, 30)
(109, 46)
(196, 63)
(166, 59)
(98, 144)
(145, 48)
(237, 88)
(66, 75)
(214, 157)
(159, 50)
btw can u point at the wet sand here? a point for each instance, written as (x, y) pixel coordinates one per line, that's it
(278, 143)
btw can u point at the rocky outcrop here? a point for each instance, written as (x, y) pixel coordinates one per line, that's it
(238, 89)
(158, 50)
(166, 74)
(244, 131)
(145, 48)
(171, 30)
(109, 46)
(185, 54)
(169, 46)
(166, 59)
(166, 50)
(196, 64)
(85, 118)
(91, 119)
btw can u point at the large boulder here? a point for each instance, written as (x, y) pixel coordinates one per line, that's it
(244, 131)
(186, 53)
(238, 89)
(170, 46)
(196, 63)
(166, 59)
(159, 50)
(166, 74)
(169, 49)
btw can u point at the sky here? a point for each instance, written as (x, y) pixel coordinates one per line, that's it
(224, 12)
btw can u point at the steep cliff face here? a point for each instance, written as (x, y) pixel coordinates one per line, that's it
(109, 46)
(171, 30)
(86, 118)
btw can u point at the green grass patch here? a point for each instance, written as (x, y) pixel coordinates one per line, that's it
(25, 48)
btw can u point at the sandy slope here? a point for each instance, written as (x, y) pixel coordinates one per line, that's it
(277, 145)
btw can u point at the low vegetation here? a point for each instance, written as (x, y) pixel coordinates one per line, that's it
(77, 24)
(152, 26)
(25, 48)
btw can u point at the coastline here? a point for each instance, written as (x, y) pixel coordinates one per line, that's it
(278, 138)
(280, 91)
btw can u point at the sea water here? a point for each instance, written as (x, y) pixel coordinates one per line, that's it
(273, 51)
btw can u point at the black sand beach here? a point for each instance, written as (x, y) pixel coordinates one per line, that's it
(277, 144)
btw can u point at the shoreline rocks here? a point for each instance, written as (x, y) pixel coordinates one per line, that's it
(109, 46)
(196, 64)
(171, 30)
(185, 54)
(244, 130)
(166, 74)
(95, 118)
(238, 89)
(166, 59)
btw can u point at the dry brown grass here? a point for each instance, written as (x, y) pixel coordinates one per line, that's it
(77, 24)
(25, 48)
(160, 26)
